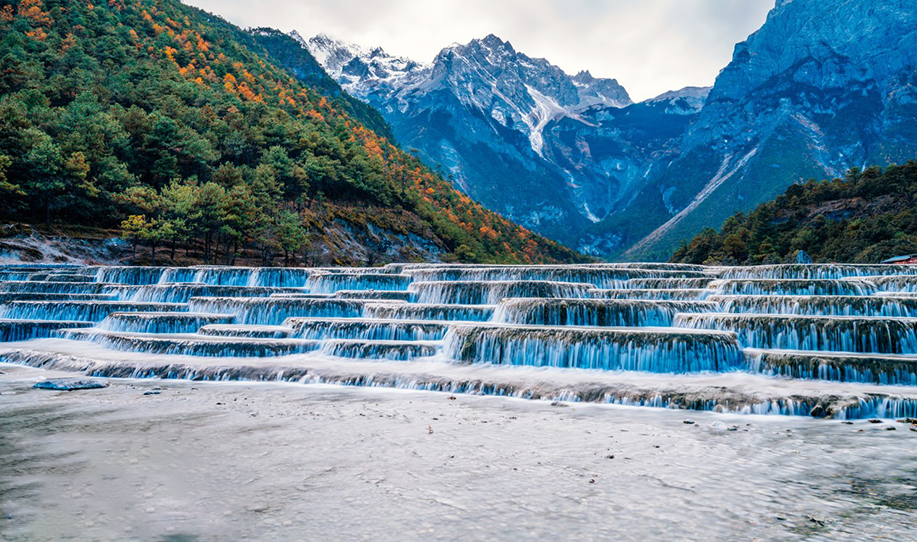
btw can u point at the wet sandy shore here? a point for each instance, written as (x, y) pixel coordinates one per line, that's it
(214, 462)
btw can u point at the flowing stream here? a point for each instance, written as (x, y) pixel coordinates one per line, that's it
(834, 341)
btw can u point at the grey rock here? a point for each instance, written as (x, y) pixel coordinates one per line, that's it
(66, 384)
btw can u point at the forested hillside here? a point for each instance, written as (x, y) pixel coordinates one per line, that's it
(866, 217)
(287, 53)
(179, 127)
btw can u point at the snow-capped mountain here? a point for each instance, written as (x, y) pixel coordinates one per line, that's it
(361, 70)
(488, 74)
(821, 87)
(481, 110)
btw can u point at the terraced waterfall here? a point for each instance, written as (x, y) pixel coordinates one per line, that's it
(821, 340)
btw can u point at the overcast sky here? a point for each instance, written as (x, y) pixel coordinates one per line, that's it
(649, 46)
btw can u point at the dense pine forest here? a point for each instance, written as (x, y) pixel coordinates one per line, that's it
(182, 130)
(866, 217)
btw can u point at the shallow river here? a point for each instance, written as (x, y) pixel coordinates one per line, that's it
(214, 462)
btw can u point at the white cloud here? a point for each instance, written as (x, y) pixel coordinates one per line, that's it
(650, 46)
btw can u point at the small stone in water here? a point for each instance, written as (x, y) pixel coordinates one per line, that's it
(891, 428)
(152, 392)
(689, 422)
(875, 421)
(63, 384)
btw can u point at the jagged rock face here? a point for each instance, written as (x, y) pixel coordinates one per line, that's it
(817, 90)
(358, 70)
(520, 93)
(485, 112)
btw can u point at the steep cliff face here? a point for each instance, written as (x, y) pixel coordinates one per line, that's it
(817, 90)
(821, 87)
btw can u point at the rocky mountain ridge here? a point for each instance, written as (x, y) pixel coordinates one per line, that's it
(814, 92)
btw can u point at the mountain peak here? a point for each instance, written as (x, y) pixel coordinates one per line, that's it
(492, 40)
(685, 101)
(357, 69)
(686, 92)
(492, 48)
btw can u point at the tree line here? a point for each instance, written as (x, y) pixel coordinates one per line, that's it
(867, 216)
(168, 122)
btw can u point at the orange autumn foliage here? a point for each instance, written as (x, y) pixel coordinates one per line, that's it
(32, 10)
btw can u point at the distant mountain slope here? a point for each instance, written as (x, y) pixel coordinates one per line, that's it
(866, 217)
(185, 128)
(821, 87)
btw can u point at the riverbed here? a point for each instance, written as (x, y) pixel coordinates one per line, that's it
(176, 461)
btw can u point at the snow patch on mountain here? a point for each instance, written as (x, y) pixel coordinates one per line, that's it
(687, 100)
(518, 92)
(362, 71)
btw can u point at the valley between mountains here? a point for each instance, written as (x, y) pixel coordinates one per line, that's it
(811, 94)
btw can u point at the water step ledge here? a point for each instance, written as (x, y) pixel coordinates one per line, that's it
(739, 393)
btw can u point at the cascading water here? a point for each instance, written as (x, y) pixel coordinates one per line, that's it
(490, 293)
(793, 287)
(595, 312)
(610, 276)
(161, 322)
(182, 293)
(379, 350)
(841, 367)
(329, 283)
(842, 340)
(87, 311)
(812, 272)
(819, 333)
(272, 311)
(405, 311)
(892, 283)
(896, 307)
(668, 283)
(687, 294)
(366, 329)
(650, 350)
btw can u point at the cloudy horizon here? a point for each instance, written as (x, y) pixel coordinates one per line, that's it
(649, 46)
